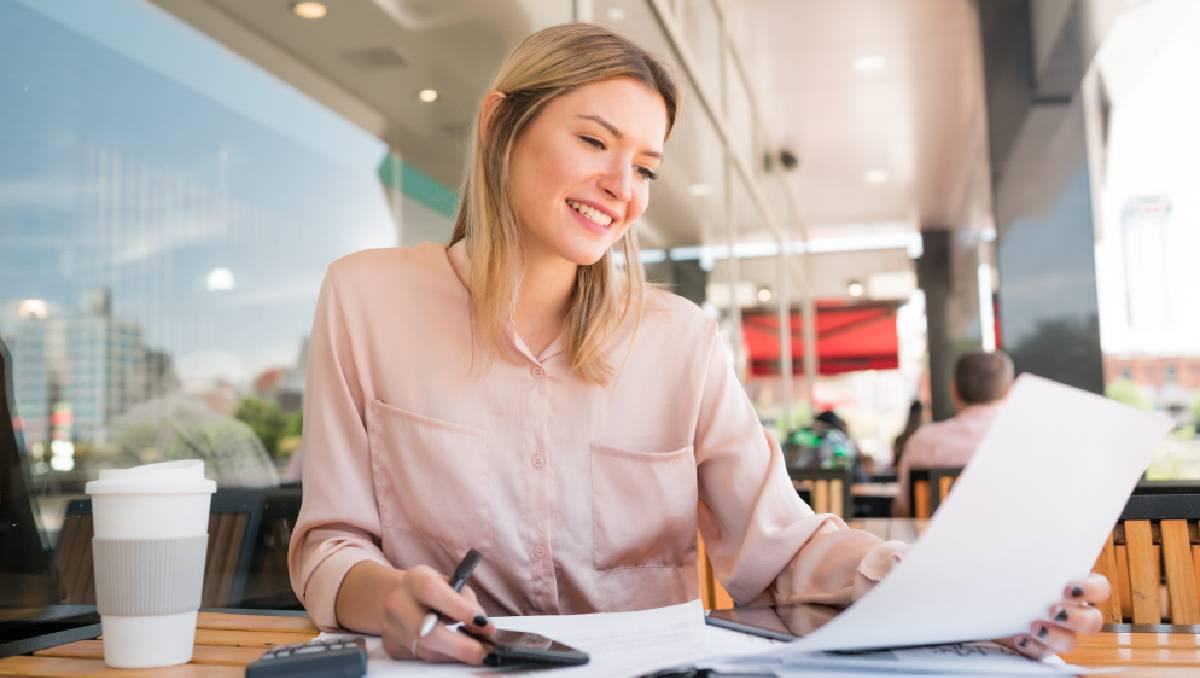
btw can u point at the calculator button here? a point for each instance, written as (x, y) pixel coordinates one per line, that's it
(310, 649)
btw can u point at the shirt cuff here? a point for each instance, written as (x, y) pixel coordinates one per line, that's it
(880, 560)
(320, 593)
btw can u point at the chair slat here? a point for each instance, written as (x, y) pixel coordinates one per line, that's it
(1143, 572)
(1124, 590)
(704, 573)
(837, 491)
(944, 485)
(820, 490)
(229, 569)
(1180, 571)
(1106, 565)
(922, 502)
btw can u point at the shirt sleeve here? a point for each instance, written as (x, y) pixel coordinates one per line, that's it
(765, 543)
(338, 526)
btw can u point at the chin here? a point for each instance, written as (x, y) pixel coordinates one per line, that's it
(582, 255)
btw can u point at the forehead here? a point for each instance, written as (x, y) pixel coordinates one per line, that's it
(636, 110)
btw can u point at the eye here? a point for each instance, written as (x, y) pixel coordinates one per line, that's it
(593, 142)
(647, 173)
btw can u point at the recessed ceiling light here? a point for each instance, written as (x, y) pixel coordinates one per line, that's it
(868, 63)
(309, 9)
(700, 190)
(764, 294)
(855, 288)
(428, 95)
(876, 176)
(616, 14)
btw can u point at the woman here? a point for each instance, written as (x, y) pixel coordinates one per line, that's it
(521, 393)
(914, 421)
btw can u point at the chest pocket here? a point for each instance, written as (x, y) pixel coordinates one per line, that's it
(643, 508)
(430, 477)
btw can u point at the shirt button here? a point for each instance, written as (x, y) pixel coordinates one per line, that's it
(537, 371)
(539, 551)
(538, 461)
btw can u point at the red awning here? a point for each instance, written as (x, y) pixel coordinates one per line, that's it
(850, 337)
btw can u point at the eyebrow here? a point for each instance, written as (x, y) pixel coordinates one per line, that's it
(615, 132)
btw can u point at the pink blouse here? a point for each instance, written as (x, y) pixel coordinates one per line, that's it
(581, 498)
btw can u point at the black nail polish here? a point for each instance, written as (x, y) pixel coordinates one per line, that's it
(1061, 616)
(1042, 632)
(1022, 642)
(480, 620)
(1076, 591)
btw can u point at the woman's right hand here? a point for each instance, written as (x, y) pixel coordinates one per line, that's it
(418, 591)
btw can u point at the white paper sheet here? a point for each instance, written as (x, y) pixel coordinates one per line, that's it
(955, 659)
(1029, 514)
(618, 643)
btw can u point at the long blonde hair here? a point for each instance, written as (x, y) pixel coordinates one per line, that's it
(546, 65)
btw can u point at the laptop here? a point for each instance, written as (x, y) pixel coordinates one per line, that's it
(31, 617)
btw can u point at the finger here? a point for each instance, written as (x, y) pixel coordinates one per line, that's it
(1027, 645)
(1092, 589)
(479, 624)
(396, 648)
(430, 590)
(1057, 638)
(457, 646)
(430, 652)
(1077, 617)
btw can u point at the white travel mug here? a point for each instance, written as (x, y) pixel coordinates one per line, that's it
(150, 537)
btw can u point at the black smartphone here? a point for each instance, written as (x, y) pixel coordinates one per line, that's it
(777, 622)
(512, 648)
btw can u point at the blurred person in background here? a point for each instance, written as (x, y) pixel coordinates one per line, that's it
(916, 417)
(981, 382)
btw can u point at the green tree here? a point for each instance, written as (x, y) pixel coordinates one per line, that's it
(267, 420)
(1124, 390)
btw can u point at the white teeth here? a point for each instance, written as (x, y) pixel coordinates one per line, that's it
(599, 218)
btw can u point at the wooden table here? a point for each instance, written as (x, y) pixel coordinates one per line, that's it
(226, 643)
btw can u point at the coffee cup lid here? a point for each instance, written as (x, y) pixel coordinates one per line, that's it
(185, 475)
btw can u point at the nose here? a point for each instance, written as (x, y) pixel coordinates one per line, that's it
(618, 182)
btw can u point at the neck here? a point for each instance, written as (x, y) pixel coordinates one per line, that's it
(545, 293)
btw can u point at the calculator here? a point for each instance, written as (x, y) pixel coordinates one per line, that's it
(335, 658)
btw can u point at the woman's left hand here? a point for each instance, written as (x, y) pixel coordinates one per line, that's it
(1075, 614)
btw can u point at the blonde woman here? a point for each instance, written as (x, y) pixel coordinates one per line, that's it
(523, 393)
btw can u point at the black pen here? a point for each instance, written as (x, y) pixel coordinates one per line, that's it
(457, 580)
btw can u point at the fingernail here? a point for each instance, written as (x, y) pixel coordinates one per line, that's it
(480, 620)
(1076, 591)
(1043, 631)
(1061, 616)
(1022, 642)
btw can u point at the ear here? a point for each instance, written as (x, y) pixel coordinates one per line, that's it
(485, 110)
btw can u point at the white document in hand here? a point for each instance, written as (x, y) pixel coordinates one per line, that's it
(1029, 514)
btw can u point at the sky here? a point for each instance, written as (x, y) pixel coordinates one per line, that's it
(140, 155)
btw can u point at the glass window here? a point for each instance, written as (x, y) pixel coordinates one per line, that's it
(1147, 140)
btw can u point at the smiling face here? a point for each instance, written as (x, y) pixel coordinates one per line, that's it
(580, 173)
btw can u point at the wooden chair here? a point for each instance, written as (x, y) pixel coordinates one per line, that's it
(712, 594)
(233, 526)
(1152, 557)
(825, 490)
(928, 487)
(268, 585)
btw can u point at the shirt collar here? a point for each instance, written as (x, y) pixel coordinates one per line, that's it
(461, 263)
